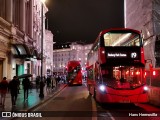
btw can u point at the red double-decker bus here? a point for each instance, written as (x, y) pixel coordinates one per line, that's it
(74, 75)
(116, 66)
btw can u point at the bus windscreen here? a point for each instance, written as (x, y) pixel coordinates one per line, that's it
(121, 39)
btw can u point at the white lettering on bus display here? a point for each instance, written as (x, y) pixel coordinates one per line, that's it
(134, 55)
(117, 55)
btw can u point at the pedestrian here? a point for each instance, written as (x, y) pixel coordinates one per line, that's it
(18, 87)
(41, 86)
(37, 82)
(26, 86)
(3, 90)
(58, 79)
(13, 88)
(48, 82)
(53, 82)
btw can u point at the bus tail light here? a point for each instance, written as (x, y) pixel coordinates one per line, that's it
(137, 73)
(127, 72)
(154, 73)
(145, 73)
(132, 73)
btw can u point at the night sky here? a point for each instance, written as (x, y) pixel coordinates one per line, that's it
(82, 20)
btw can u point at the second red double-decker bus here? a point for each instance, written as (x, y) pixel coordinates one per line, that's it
(116, 67)
(74, 75)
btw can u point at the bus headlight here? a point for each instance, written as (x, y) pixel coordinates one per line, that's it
(102, 88)
(145, 89)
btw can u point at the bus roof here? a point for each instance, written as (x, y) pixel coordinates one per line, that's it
(117, 29)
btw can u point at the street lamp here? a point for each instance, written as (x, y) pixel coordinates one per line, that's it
(41, 94)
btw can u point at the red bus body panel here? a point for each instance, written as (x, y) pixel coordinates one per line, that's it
(122, 96)
(111, 94)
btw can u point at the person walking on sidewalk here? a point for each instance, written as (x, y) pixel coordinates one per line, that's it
(18, 87)
(37, 82)
(3, 90)
(13, 87)
(48, 82)
(26, 86)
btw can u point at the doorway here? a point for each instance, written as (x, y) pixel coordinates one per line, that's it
(19, 69)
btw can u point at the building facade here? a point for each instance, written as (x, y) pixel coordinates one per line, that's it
(20, 37)
(48, 51)
(144, 15)
(68, 52)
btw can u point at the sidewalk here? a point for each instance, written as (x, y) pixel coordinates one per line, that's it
(33, 99)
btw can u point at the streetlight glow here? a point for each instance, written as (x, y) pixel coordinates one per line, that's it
(43, 1)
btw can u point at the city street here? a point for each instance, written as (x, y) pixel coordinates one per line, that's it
(74, 102)
(33, 99)
(75, 55)
(71, 102)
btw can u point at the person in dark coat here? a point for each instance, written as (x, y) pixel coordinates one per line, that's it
(48, 81)
(3, 90)
(26, 86)
(18, 85)
(13, 87)
(37, 82)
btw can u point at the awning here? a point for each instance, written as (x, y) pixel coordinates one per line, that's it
(20, 51)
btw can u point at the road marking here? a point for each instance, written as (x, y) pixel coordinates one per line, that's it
(51, 99)
(110, 115)
(94, 109)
